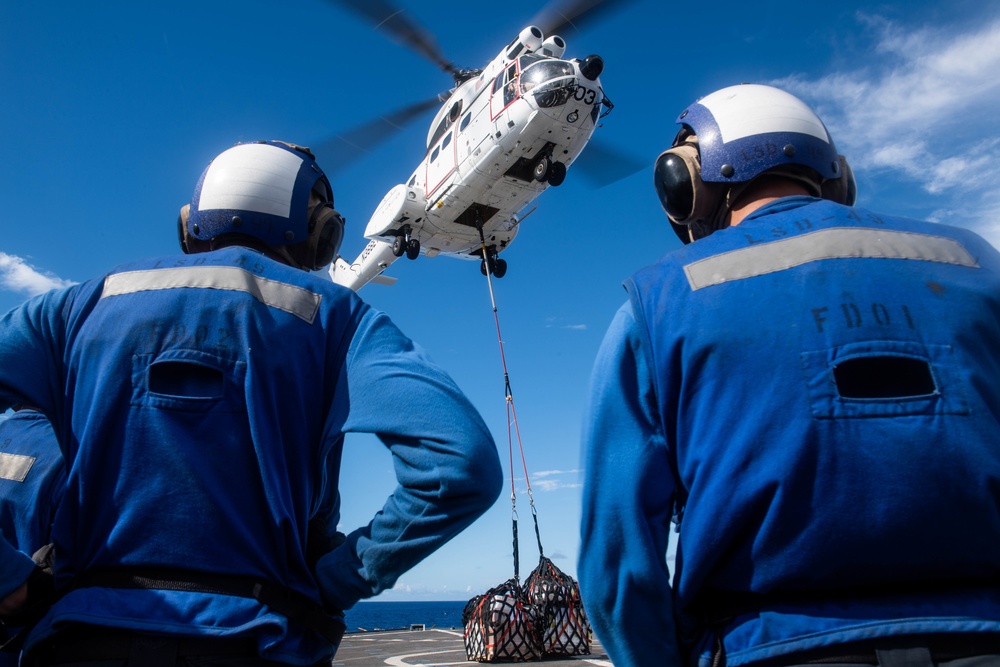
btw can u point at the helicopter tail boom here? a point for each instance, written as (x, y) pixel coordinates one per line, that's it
(368, 267)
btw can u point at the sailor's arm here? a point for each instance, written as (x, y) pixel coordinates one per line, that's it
(15, 568)
(445, 460)
(30, 374)
(627, 506)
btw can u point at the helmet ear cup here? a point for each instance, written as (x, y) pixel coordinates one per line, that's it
(843, 190)
(326, 232)
(182, 228)
(326, 235)
(686, 198)
(677, 178)
(189, 244)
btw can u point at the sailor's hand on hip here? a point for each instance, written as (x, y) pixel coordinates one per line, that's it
(11, 604)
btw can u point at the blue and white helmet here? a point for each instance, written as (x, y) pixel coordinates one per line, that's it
(272, 191)
(745, 130)
(731, 137)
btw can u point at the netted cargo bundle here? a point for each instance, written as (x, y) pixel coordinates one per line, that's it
(501, 626)
(562, 620)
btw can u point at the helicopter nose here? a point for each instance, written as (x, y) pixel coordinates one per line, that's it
(591, 67)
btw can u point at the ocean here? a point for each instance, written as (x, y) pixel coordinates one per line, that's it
(369, 615)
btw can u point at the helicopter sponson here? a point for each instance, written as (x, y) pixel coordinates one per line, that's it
(402, 204)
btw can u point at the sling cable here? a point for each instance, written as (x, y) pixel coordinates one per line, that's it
(545, 617)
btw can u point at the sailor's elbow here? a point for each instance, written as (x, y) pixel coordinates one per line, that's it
(492, 482)
(485, 478)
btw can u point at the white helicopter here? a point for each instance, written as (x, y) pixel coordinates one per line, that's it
(503, 135)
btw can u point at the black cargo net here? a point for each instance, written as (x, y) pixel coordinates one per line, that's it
(500, 626)
(562, 622)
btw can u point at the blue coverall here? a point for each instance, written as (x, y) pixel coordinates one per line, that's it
(32, 477)
(201, 404)
(816, 394)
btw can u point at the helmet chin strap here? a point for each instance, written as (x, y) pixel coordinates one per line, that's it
(288, 258)
(720, 218)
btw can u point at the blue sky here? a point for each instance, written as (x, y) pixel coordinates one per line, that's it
(110, 111)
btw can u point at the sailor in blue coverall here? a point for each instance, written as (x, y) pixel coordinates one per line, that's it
(812, 391)
(32, 476)
(201, 402)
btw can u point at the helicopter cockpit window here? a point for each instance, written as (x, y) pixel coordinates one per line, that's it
(441, 129)
(524, 62)
(550, 81)
(510, 86)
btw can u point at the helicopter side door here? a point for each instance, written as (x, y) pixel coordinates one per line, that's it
(441, 162)
(478, 141)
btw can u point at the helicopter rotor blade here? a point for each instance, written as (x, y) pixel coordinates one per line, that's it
(384, 15)
(346, 148)
(602, 164)
(558, 15)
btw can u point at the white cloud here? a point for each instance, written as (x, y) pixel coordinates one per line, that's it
(550, 473)
(554, 480)
(923, 111)
(974, 171)
(17, 276)
(557, 323)
(549, 485)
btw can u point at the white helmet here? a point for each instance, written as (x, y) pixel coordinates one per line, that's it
(731, 137)
(269, 190)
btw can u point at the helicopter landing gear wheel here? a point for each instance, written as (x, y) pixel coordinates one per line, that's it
(399, 245)
(541, 170)
(557, 173)
(495, 266)
(413, 248)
